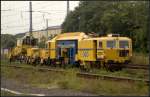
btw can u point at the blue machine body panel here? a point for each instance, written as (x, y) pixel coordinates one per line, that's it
(71, 46)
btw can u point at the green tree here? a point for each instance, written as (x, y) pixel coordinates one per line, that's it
(8, 41)
(41, 44)
(128, 18)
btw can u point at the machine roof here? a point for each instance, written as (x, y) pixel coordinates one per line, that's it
(70, 36)
(81, 35)
(109, 38)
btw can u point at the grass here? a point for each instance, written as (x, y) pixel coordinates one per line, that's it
(70, 81)
(139, 74)
(6, 62)
(140, 58)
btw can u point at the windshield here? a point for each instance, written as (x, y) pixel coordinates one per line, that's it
(123, 44)
(111, 44)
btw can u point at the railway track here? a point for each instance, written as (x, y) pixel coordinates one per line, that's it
(39, 69)
(86, 75)
(136, 66)
(106, 77)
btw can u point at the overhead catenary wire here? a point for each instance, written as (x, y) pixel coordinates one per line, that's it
(9, 22)
(41, 10)
(24, 24)
(6, 16)
(19, 28)
(26, 11)
(15, 20)
(25, 6)
(39, 3)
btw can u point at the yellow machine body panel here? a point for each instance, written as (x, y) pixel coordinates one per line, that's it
(72, 36)
(121, 50)
(113, 49)
(64, 36)
(29, 52)
(52, 50)
(44, 53)
(87, 50)
(33, 52)
(100, 49)
(18, 50)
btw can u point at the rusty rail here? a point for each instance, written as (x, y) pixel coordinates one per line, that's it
(106, 77)
(39, 69)
(135, 66)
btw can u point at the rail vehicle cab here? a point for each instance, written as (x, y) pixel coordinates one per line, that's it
(114, 49)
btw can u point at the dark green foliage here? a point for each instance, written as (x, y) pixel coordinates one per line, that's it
(8, 41)
(20, 35)
(42, 44)
(128, 18)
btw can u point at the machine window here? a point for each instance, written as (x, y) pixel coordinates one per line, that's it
(111, 44)
(100, 44)
(123, 44)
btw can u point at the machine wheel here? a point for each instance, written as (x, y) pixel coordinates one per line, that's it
(82, 67)
(109, 67)
(120, 67)
(37, 61)
(77, 64)
(98, 65)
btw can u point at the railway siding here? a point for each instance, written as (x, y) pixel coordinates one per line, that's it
(135, 66)
(106, 77)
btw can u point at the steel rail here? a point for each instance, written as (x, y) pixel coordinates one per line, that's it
(135, 66)
(114, 78)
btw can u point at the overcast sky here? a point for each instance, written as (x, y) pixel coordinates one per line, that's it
(15, 15)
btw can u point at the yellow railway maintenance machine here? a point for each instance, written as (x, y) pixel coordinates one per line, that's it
(37, 55)
(111, 51)
(33, 55)
(81, 49)
(20, 51)
(63, 49)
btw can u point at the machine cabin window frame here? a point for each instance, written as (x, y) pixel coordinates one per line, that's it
(111, 44)
(123, 44)
(100, 44)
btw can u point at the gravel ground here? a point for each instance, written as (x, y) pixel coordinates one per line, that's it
(23, 88)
